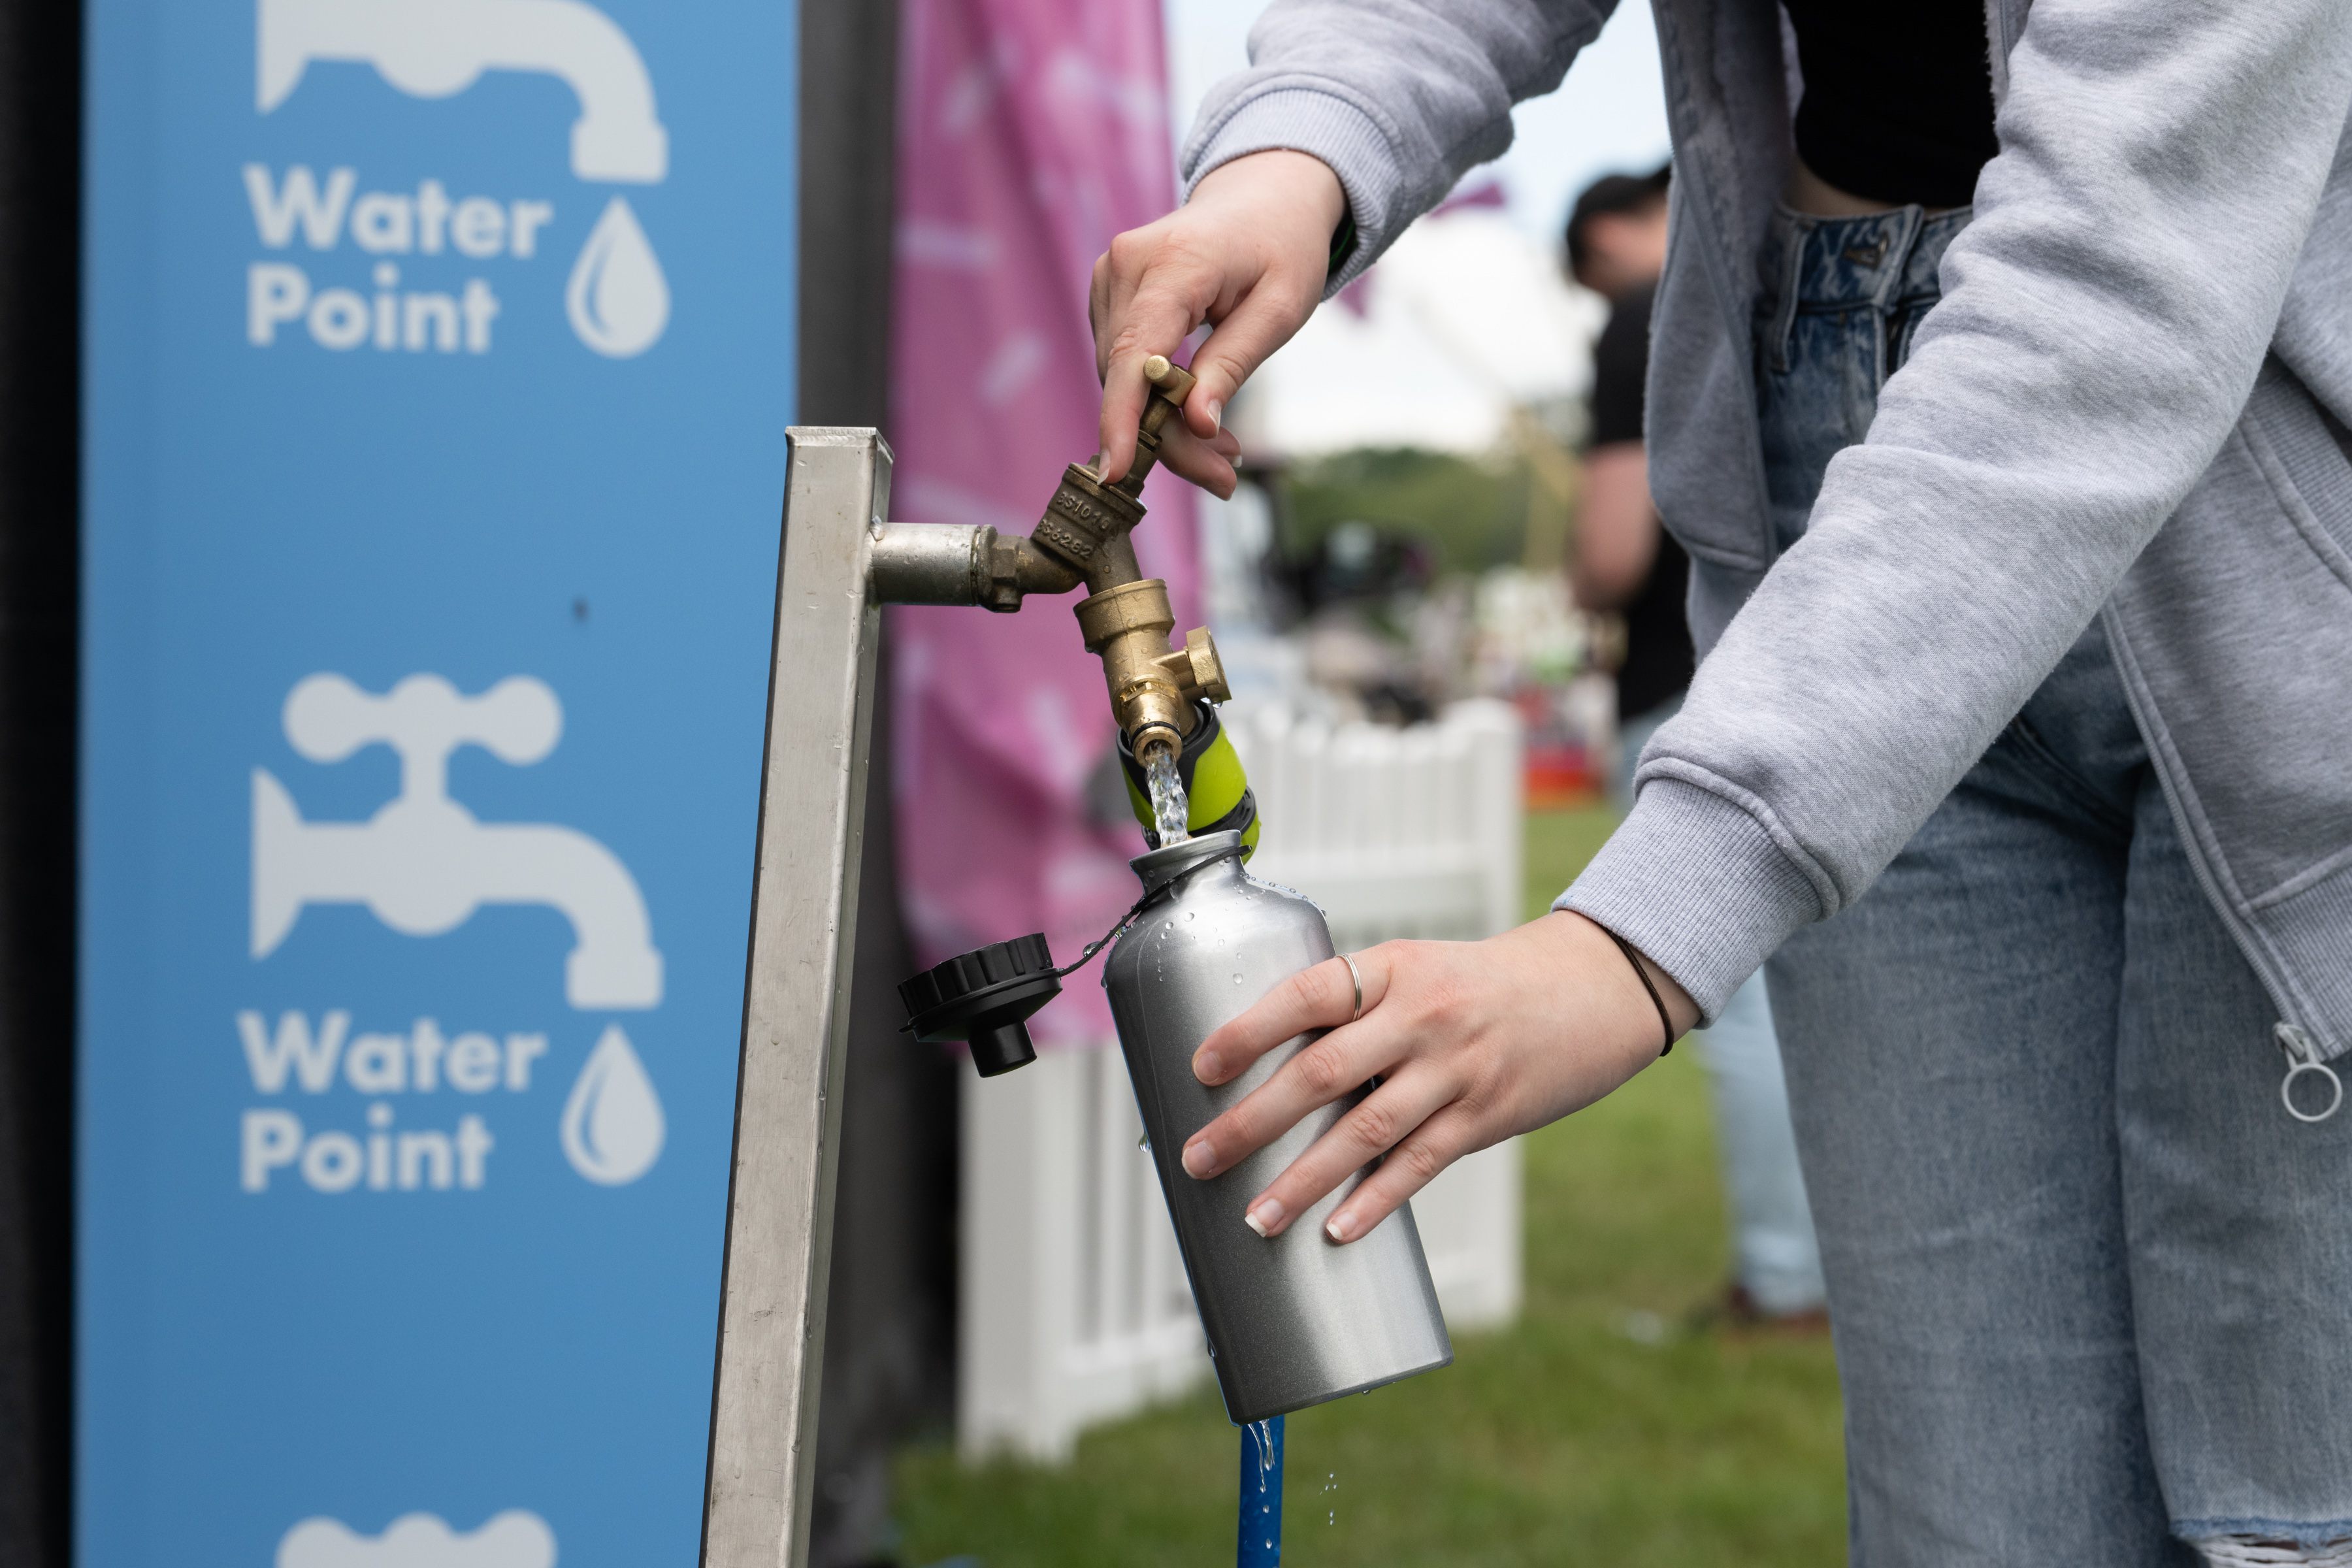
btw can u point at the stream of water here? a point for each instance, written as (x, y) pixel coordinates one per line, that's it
(1260, 1533)
(1169, 810)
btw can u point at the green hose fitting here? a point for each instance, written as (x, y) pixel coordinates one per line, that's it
(1216, 788)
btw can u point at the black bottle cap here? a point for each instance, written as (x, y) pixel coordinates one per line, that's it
(985, 997)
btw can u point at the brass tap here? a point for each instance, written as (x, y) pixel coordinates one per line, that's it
(1125, 618)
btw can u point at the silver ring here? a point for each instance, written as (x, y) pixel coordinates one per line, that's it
(2286, 1091)
(1358, 975)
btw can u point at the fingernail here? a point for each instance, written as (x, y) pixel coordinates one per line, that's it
(1341, 1225)
(1217, 412)
(1264, 1217)
(1208, 1067)
(1199, 1157)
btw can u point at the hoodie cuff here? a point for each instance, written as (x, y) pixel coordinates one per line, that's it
(1300, 120)
(1699, 886)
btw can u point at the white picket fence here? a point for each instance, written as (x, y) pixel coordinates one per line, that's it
(1074, 1305)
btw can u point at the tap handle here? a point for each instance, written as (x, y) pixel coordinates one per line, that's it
(517, 721)
(1171, 384)
(1171, 380)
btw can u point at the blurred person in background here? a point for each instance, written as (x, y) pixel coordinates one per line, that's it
(1626, 564)
(1999, 385)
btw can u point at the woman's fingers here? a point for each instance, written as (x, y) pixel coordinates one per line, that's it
(1178, 295)
(1321, 996)
(1264, 318)
(1338, 1064)
(1474, 1041)
(1211, 463)
(1246, 255)
(1436, 1144)
(1380, 1122)
(1158, 294)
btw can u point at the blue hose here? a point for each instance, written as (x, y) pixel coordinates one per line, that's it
(1260, 1536)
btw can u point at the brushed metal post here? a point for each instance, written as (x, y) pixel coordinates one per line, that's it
(840, 562)
(795, 1006)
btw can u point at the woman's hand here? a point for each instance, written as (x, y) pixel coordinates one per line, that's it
(1472, 1042)
(1247, 255)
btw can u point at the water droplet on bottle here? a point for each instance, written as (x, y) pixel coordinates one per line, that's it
(618, 300)
(613, 1126)
(1237, 979)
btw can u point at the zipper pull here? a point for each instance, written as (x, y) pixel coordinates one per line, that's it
(2303, 1057)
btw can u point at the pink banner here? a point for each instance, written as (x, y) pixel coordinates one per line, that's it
(1029, 133)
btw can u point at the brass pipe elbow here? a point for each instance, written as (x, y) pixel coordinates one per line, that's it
(1016, 567)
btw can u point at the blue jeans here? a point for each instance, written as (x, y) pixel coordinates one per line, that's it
(1774, 1254)
(2089, 1280)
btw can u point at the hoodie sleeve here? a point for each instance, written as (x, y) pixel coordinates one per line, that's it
(2104, 316)
(1400, 97)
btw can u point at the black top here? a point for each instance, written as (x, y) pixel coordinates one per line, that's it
(1620, 363)
(1899, 98)
(1658, 658)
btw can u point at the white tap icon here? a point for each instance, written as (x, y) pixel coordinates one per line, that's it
(424, 863)
(431, 49)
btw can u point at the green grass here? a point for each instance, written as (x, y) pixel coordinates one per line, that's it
(1556, 845)
(1559, 1440)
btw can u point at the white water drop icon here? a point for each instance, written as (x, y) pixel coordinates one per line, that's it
(617, 298)
(613, 1126)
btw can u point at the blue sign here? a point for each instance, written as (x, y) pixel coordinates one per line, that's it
(439, 355)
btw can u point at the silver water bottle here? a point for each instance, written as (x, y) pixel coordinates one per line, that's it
(1297, 1320)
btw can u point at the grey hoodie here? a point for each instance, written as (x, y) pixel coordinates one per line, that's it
(2131, 402)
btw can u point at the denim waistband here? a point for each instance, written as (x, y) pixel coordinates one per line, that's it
(1883, 261)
